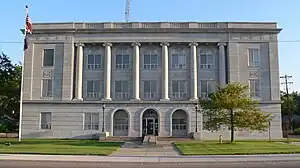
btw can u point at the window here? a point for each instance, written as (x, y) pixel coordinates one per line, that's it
(179, 89)
(122, 62)
(94, 89)
(253, 57)
(91, 121)
(150, 61)
(150, 89)
(48, 58)
(94, 61)
(47, 88)
(206, 87)
(46, 118)
(178, 61)
(179, 124)
(254, 88)
(121, 124)
(207, 61)
(121, 90)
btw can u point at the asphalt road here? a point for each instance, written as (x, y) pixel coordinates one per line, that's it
(46, 164)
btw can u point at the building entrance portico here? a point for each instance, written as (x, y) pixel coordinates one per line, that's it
(150, 122)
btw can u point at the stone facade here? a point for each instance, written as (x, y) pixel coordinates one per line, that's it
(144, 77)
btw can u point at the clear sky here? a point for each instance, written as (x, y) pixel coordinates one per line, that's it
(285, 12)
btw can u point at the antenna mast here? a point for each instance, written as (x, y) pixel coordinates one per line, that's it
(127, 10)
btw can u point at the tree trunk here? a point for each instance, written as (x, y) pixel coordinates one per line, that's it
(232, 126)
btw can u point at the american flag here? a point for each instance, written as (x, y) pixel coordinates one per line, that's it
(28, 28)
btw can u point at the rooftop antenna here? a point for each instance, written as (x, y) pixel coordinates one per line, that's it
(127, 10)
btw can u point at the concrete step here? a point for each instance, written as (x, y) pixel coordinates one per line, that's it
(146, 140)
(122, 138)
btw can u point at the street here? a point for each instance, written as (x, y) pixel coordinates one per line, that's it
(47, 164)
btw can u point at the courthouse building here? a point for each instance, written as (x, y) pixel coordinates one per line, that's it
(130, 79)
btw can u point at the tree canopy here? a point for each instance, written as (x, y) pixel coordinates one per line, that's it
(294, 98)
(233, 107)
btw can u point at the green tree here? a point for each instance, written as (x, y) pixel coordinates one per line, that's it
(232, 106)
(294, 100)
(10, 86)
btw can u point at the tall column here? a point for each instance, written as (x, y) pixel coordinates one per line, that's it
(165, 68)
(222, 64)
(107, 71)
(79, 71)
(136, 71)
(193, 71)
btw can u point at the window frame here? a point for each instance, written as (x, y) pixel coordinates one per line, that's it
(251, 56)
(178, 65)
(43, 58)
(52, 88)
(150, 95)
(256, 93)
(122, 65)
(94, 94)
(47, 127)
(207, 65)
(121, 95)
(178, 94)
(150, 66)
(208, 83)
(94, 66)
(91, 128)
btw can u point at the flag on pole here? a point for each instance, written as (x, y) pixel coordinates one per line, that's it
(28, 29)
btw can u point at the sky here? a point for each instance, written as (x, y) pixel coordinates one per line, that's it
(285, 12)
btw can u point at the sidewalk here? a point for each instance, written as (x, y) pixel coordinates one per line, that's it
(164, 159)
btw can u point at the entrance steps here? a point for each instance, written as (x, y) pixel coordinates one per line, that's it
(121, 138)
(149, 140)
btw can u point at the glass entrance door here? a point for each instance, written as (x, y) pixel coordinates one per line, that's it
(150, 126)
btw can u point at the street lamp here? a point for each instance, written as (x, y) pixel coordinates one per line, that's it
(103, 108)
(196, 109)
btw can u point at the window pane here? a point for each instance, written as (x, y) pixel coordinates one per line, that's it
(210, 59)
(203, 59)
(95, 119)
(181, 59)
(90, 86)
(97, 86)
(97, 59)
(203, 86)
(48, 57)
(146, 86)
(118, 59)
(125, 86)
(126, 59)
(153, 86)
(118, 86)
(90, 59)
(175, 86)
(182, 86)
(49, 91)
(146, 59)
(46, 120)
(174, 59)
(154, 59)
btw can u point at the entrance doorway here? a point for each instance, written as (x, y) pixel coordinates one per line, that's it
(150, 123)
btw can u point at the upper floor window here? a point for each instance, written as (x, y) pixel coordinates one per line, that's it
(150, 89)
(121, 90)
(47, 88)
(207, 61)
(46, 119)
(254, 87)
(94, 61)
(122, 61)
(178, 61)
(48, 58)
(91, 121)
(179, 89)
(253, 57)
(150, 61)
(94, 89)
(206, 87)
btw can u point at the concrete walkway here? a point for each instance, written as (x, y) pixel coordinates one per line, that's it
(170, 159)
(162, 148)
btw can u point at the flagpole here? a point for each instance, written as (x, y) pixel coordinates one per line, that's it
(22, 79)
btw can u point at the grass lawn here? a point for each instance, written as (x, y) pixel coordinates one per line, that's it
(58, 147)
(237, 148)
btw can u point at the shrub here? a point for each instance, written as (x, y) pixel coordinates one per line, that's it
(296, 131)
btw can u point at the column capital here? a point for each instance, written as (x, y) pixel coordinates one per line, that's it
(193, 44)
(221, 44)
(165, 44)
(135, 44)
(107, 44)
(79, 44)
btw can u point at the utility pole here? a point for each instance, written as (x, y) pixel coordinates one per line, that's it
(290, 113)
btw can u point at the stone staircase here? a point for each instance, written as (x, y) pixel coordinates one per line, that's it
(150, 140)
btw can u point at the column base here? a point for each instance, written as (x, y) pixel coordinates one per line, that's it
(77, 99)
(135, 99)
(106, 99)
(164, 99)
(193, 99)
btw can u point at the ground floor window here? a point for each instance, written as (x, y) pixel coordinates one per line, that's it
(91, 121)
(121, 124)
(46, 119)
(178, 124)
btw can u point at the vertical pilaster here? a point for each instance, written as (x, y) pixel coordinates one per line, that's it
(193, 71)
(165, 71)
(222, 63)
(107, 71)
(79, 71)
(136, 71)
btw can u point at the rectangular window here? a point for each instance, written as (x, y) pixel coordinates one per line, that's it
(94, 89)
(207, 61)
(91, 121)
(122, 62)
(253, 57)
(47, 88)
(94, 61)
(46, 118)
(150, 89)
(48, 58)
(121, 90)
(254, 88)
(150, 61)
(206, 87)
(178, 61)
(179, 89)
